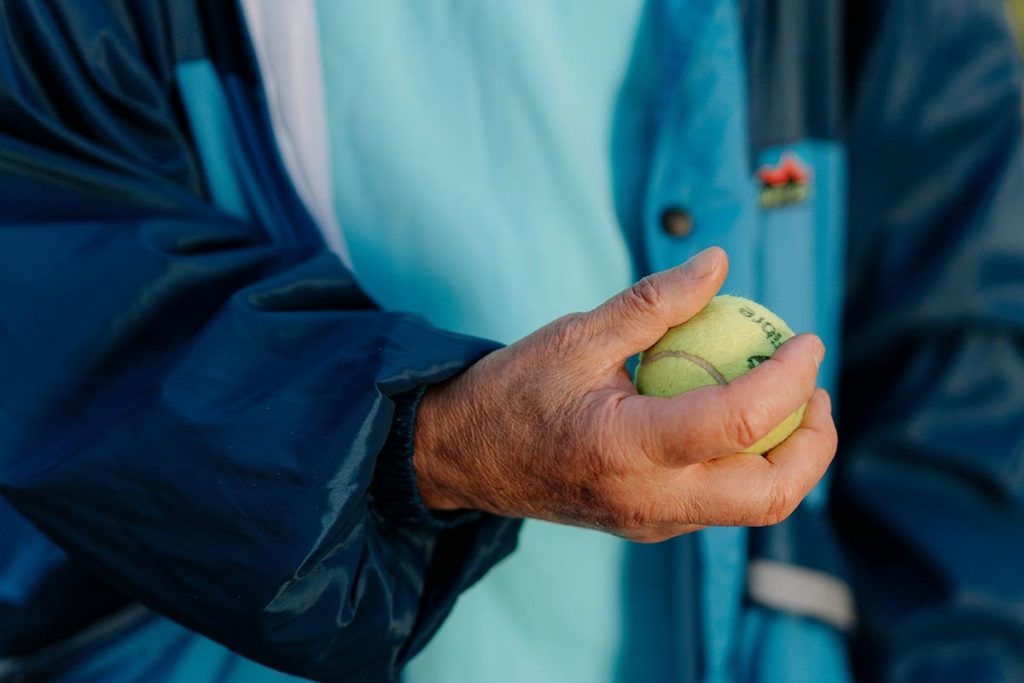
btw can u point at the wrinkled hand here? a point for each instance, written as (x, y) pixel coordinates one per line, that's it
(552, 428)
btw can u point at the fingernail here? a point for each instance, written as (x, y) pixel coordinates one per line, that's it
(701, 265)
(819, 353)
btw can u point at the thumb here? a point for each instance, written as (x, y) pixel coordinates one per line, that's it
(634, 319)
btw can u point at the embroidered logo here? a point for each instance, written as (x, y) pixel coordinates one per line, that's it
(784, 184)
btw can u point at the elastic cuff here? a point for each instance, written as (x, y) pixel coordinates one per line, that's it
(394, 491)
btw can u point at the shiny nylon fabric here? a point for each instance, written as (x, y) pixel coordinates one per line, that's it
(930, 477)
(201, 409)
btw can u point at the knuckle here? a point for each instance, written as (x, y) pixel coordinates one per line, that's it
(746, 426)
(568, 332)
(644, 295)
(782, 501)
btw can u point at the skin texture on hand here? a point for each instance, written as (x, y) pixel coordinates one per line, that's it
(552, 427)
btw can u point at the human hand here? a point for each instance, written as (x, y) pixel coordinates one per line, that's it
(552, 427)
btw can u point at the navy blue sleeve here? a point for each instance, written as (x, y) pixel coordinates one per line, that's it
(217, 422)
(930, 478)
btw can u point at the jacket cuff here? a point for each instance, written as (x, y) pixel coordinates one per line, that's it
(394, 491)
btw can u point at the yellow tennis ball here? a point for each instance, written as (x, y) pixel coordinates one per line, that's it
(730, 336)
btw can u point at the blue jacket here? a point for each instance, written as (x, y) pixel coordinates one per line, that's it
(201, 412)
(198, 407)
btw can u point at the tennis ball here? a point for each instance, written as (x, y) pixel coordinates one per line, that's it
(730, 336)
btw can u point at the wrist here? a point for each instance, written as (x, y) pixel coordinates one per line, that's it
(433, 459)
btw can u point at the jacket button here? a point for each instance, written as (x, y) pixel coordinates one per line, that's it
(676, 222)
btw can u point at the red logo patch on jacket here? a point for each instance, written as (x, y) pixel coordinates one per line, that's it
(784, 184)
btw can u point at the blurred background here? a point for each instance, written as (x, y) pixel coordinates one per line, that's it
(1017, 15)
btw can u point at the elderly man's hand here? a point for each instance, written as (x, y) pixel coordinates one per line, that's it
(552, 427)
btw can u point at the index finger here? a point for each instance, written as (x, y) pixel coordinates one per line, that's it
(720, 420)
(748, 490)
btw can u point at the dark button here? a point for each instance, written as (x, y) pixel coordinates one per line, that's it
(676, 222)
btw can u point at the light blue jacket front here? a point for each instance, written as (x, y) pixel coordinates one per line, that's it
(510, 164)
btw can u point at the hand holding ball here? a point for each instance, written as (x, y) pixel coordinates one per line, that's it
(729, 337)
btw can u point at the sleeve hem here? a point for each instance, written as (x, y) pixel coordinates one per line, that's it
(394, 492)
